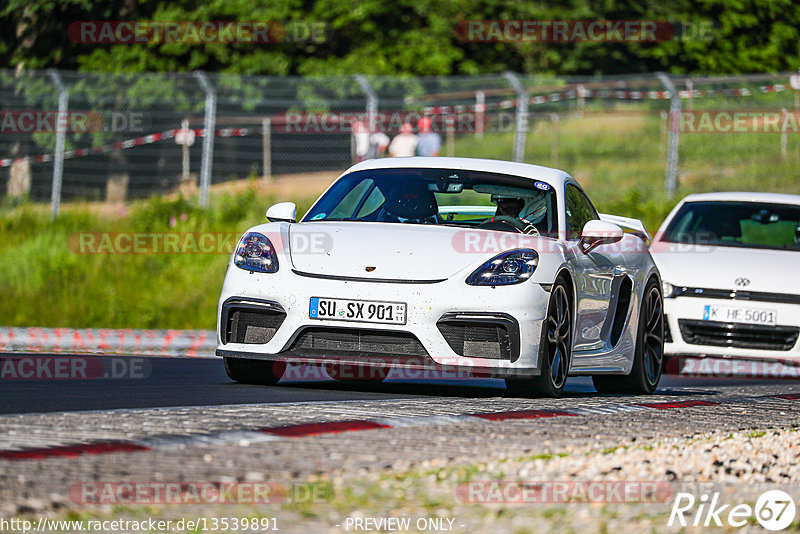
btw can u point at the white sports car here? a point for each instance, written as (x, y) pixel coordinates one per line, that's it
(729, 262)
(505, 269)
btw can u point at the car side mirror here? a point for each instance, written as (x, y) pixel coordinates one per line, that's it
(282, 212)
(600, 233)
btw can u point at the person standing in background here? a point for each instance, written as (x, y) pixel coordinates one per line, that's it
(361, 137)
(378, 142)
(430, 142)
(405, 143)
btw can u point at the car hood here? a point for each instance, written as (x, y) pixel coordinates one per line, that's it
(395, 251)
(721, 267)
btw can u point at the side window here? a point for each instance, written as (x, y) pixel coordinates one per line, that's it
(348, 205)
(579, 211)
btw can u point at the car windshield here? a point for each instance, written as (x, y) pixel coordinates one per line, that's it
(736, 224)
(437, 196)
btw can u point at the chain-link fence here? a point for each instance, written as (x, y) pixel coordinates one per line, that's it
(68, 136)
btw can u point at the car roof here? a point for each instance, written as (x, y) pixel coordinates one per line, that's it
(554, 177)
(741, 196)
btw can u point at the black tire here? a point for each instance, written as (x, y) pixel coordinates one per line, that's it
(648, 361)
(555, 349)
(258, 372)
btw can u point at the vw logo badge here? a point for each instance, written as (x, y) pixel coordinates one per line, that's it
(742, 282)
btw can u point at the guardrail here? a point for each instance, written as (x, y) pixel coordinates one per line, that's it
(163, 343)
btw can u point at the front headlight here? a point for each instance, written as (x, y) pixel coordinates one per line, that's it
(508, 268)
(255, 253)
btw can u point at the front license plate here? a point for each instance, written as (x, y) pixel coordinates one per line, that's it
(359, 311)
(737, 314)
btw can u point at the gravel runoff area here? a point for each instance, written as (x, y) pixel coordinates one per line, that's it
(418, 473)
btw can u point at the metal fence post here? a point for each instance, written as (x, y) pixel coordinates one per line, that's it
(480, 110)
(209, 126)
(372, 102)
(671, 183)
(61, 137)
(689, 93)
(266, 142)
(450, 135)
(185, 150)
(784, 123)
(554, 118)
(521, 131)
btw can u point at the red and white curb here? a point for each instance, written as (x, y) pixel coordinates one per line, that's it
(164, 343)
(302, 430)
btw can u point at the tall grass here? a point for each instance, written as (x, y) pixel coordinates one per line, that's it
(45, 282)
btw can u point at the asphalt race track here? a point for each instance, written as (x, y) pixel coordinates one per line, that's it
(185, 382)
(183, 419)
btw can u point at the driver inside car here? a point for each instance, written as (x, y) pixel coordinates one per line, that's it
(509, 207)
(521, 214)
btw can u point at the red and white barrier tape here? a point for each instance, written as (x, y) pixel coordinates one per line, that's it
(129, 143)
(164, 343)
(574, 94)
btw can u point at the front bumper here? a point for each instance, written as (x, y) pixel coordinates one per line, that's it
(692, 335)
(520, 309)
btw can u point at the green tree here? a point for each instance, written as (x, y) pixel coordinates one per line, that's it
(410, 37)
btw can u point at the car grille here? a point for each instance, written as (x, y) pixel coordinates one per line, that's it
(356, 342)
(252, 326)
(735, 294)
(473, 339)
(742, 336)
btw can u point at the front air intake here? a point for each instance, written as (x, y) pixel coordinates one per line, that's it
(252, 323)
(489, 336)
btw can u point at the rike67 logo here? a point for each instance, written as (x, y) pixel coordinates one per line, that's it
(774, 510)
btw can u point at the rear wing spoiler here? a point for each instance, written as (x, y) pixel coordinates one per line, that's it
(628, 225)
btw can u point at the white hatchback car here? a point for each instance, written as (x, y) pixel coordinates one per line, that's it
(729, 264)
(500, 268)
